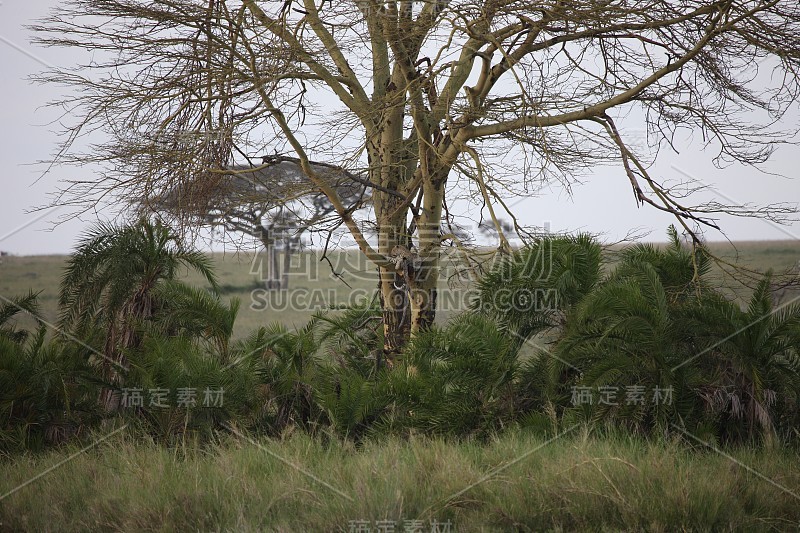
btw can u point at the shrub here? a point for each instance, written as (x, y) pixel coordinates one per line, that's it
(47, 392)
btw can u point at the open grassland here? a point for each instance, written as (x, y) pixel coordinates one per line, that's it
(517, 482)
(315, 288)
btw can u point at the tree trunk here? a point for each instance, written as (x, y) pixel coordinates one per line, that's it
(269, 267)
(274, 269)
(399, 165)
(409, 290)
(288, 249)
(393, 292)
(270, 278)
(396, 323)
(426, 274)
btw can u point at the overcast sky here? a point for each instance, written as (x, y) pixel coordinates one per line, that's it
(604, 204)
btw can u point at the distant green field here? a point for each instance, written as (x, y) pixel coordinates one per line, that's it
(313, 287)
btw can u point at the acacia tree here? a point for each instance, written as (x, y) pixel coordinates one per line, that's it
(426, 98)
(271, 201)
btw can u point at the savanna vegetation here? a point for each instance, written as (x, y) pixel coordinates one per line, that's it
(657, 398)
(634, 370)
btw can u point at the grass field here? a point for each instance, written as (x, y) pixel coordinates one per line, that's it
(515, 483)
(314, 287)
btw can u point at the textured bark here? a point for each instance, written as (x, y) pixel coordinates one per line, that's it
(390, 159)
(393, 288)
(396, 323)
(121, 335)
(426, 277)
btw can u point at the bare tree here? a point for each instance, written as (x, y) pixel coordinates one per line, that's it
(272, 201)
(425, 98)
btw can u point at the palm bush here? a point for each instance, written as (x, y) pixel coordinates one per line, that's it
(351, 384)
(456, 380)
(112, 283)
(196, 312)
(533, 290)
(323, 374)
(632, 340)
(353, 338)
(287, 363)
(753, 355)
(46, 389)
(25, 305)
(175, 388)
(656, 325)
(351, 401)
(681, 270)
(628, 343)
(652, 326)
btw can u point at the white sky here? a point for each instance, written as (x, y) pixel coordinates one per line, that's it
(604, 204)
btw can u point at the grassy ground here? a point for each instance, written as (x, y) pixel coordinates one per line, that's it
(518, 482)
(315, 288)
